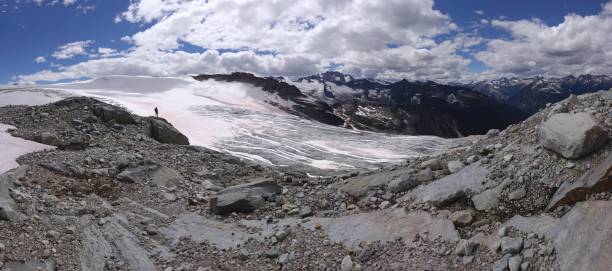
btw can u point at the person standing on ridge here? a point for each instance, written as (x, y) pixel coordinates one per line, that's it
(156, 112)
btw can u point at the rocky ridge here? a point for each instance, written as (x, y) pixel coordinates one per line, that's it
(115, 195)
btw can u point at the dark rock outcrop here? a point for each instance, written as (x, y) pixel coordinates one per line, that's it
(164, 132)
(244, 198)
(109, 113)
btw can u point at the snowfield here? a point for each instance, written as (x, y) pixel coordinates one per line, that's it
(238, 119)
(12, 147)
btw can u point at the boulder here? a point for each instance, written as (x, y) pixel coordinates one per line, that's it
(244, 198)
(425, 175)
(486, 200)
(49, 139)
(164, 132)
(510, 245)
(462, 218)
(465, 247)
(75, 143)
(433, 164)
(572, 135)
(151, 174)
(403, 183)
(455, 166)
(596, 180)
(347, 264)
(108, 113)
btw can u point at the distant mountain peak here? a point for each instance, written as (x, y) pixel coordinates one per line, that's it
(531, 94)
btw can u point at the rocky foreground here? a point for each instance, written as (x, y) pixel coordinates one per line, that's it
(123, 192)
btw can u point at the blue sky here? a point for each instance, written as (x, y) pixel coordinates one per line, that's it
(33, 30)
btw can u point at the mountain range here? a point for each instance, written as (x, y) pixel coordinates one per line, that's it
(418, 107)
(403, 107)
(532, 94)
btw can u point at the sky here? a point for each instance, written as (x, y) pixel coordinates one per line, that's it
(442, 40)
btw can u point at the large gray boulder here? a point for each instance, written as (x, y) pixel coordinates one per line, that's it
(164, 132)
(403, 183)
(596, 180)
(572, 135)
(244, 198)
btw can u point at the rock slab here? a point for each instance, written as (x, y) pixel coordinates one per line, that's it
(596, 180)
(582, 238)
(449, 189)
(386, 226)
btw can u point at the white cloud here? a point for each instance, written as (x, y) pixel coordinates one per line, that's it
(52, 2)
(40, 59)
(103, 52)
(479, 12)
(85, 8)
(126, 39)
(160, 63)
(390, 39)
(296, 38)
(72, 49)
(578, 45)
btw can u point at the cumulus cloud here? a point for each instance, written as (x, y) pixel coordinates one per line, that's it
(72, 49)
(158, 63)
(578, 45)
(40, 59)
(479, 12)
(285, 37)
(390, 39)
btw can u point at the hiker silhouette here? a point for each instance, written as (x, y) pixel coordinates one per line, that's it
(156, 113)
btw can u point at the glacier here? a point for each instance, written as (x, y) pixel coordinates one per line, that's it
(239, 119)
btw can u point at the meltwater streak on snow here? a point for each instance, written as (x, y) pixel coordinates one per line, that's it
(236, 118)
(13, 147)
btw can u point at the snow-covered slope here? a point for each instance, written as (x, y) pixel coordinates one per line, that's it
(245, 121)
(13, 147)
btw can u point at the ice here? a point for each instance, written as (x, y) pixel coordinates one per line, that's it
(20, 96)
(238, 119)
(12, 147)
